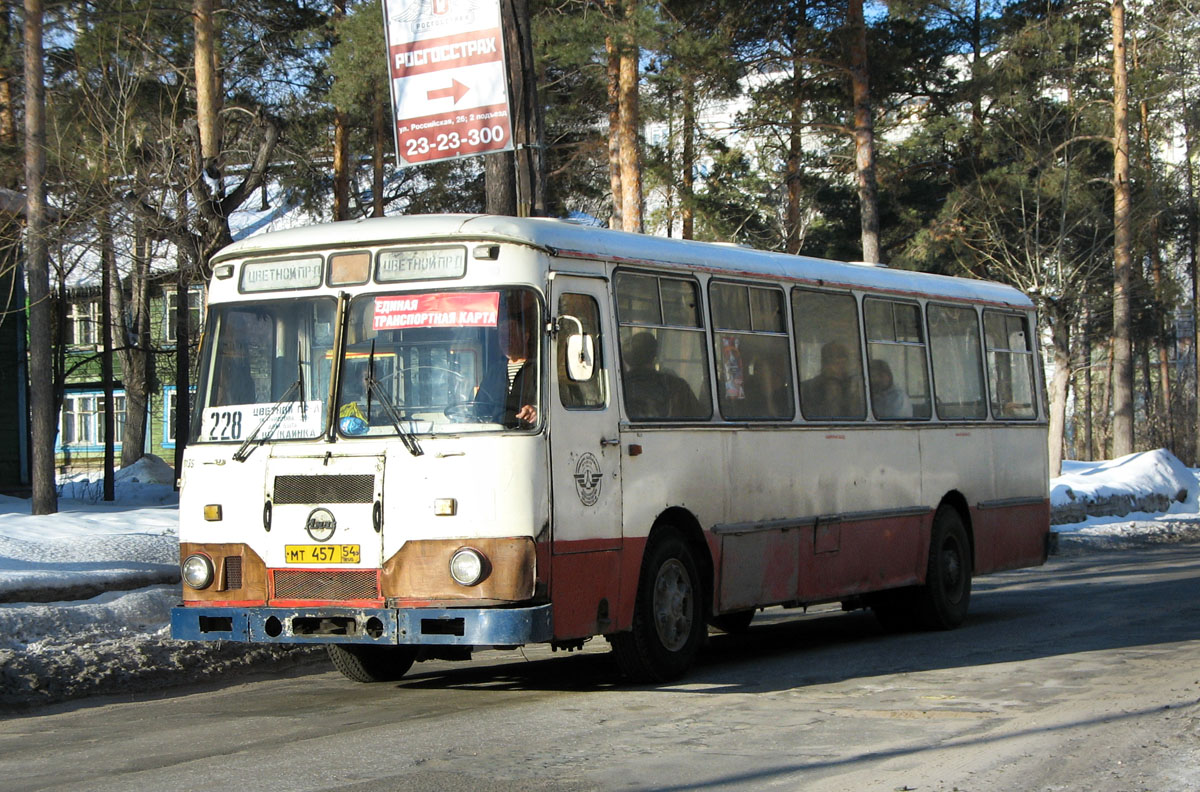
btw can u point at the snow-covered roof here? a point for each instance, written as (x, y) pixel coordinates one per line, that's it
(570, 239)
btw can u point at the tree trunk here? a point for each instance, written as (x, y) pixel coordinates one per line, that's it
(341, 167)
(687, 184)
(108, 266)
(208, 95)
(42, 402)
(864, 133)
(526, 110)
(631, 169)
(613, 72)
(183, 360)
(1089, 426)
(341, 145)
(1122, 246)
(500, 186)
(792, 217)
(136, 368)
(1193, 232)
(8, 112)
(1060, 340)
(1154, 246)
(377, 160)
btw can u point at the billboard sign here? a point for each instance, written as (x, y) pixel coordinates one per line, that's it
(448, 79)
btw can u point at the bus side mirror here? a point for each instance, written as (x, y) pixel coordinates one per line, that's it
(580, 357)
(581, 350)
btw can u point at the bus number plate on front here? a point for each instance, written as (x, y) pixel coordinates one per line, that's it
(321, 554)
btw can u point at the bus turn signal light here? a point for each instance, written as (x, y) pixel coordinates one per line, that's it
(212, 512)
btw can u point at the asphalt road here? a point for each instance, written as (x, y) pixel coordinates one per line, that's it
(1080, 675)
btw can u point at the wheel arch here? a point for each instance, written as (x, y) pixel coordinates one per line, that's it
(958, 502)
(682, 520)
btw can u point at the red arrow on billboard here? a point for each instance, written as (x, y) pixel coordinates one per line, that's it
(456, 89)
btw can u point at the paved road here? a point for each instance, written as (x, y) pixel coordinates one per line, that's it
(1081, 675)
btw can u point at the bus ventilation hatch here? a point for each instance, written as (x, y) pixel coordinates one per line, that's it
(324, 489)
(303, 584)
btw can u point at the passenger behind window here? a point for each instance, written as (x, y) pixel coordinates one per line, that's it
(650, 392)
(767, 392)
(836, 392)
(887, 398)
(508, 393)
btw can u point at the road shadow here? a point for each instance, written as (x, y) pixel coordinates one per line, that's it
(1070, 606)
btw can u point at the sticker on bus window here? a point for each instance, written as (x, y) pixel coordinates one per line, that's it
(455, 309)
(233, 422)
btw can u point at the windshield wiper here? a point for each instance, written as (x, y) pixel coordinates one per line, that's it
(374, 387)
(241, 455)
(297, 387)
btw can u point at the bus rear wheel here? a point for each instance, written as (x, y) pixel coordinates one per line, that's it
(668, 616)
(943, 601)
(364, 663)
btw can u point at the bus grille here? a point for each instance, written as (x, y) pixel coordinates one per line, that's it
(233, 573)
(303, 584)
(324, 489)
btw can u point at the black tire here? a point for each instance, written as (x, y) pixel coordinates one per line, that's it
(734, 623)
(365, 663)
(941, 604)
(668, 615)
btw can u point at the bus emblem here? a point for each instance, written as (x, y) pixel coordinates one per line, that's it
(587, 479)
(320, 525)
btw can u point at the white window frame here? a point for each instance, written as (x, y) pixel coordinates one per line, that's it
(195, 310)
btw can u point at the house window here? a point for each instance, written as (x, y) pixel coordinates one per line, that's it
(81, 423)
(169, 402)
(83, 324)
(195, 298)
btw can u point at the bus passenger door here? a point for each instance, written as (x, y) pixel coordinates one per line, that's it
(585, 459)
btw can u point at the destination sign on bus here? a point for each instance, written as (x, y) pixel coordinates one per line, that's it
(233, 422)
(277, 274)
(452, 309)
(421, 264)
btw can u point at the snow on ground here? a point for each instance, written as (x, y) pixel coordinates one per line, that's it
(85, 594)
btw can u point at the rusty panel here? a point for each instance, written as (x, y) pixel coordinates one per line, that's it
(421, 570)
(873, 555)
(226, 558)
(580, 582)
(759, 568)
(1010, 537)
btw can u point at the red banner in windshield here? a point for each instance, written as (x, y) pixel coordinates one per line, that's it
(457, 309)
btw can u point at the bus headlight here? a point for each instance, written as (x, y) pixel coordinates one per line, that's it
(198, 571)
(468, 566)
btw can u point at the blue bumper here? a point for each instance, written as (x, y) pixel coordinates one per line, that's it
(421, 626)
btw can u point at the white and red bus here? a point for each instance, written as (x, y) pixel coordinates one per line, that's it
(417, 436)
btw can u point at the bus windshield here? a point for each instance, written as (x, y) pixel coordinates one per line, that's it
(267, 371)
(443, 362)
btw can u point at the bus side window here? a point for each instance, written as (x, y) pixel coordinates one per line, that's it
(1010, 365)
(957, 364)
(896, 345)
(589, 394)
(754, 378)
(828, 355)
(664, 367)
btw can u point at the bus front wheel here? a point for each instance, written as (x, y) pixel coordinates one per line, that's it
(372, 663)
(942, 602)
(668, 617)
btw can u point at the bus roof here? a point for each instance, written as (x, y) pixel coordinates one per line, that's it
(565, 238)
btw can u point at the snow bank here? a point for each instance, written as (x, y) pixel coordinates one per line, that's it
(1147, 483)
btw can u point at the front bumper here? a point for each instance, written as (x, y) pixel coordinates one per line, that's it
(419, 626)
